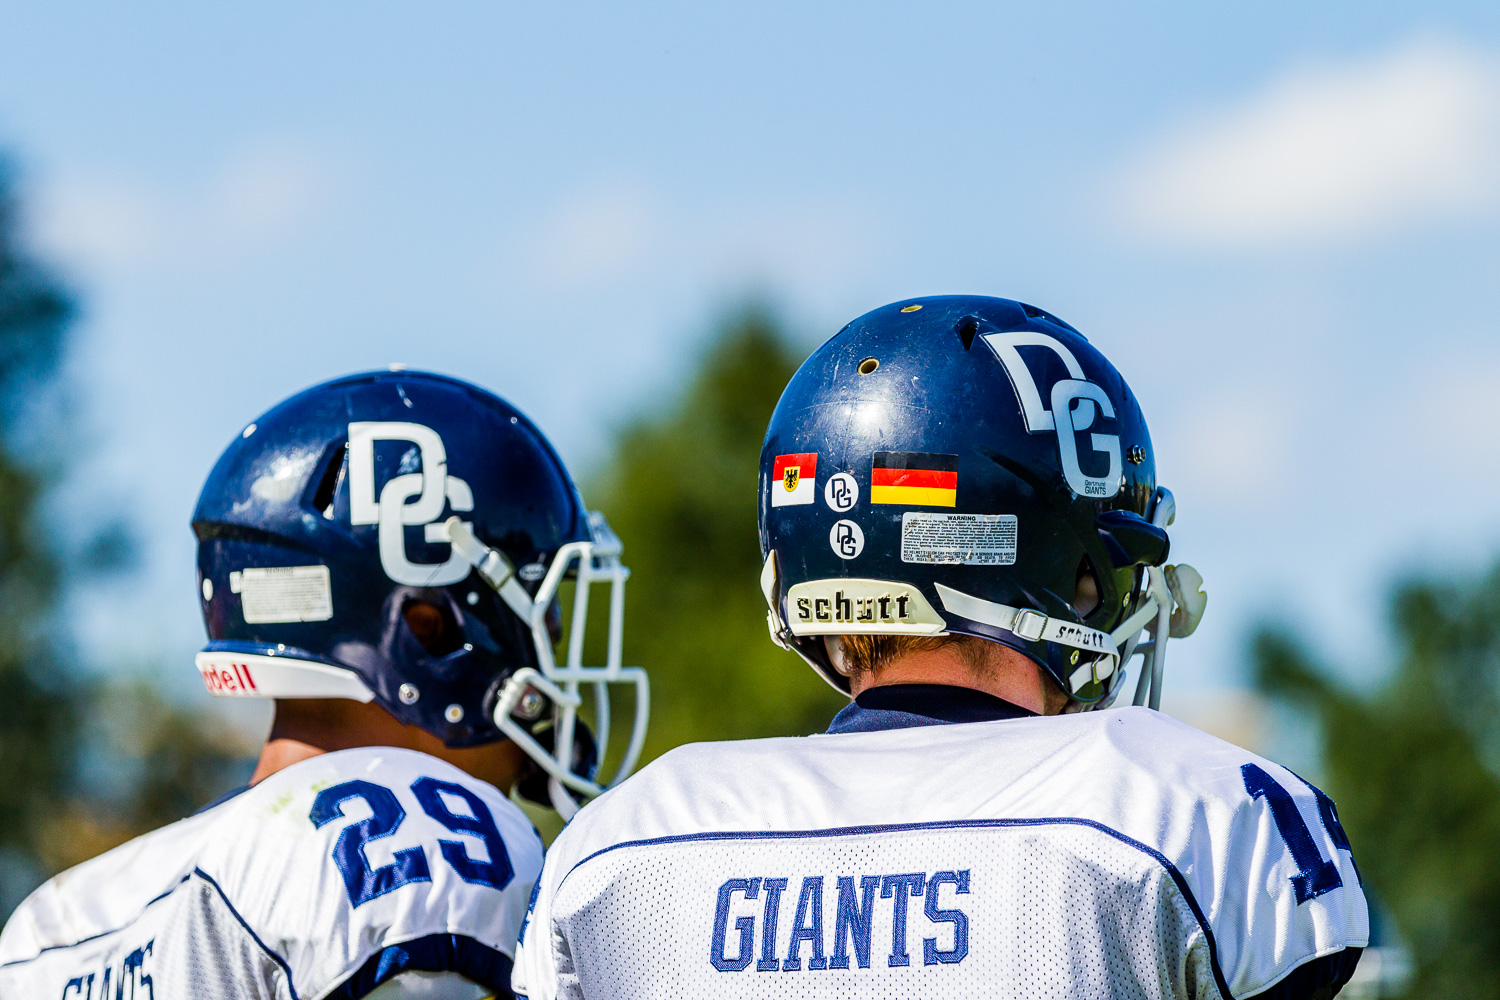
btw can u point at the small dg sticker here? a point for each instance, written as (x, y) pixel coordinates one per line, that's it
(846, 539)
(841, 492)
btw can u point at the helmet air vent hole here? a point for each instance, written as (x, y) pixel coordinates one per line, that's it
(328, 483)
(868, 366)
(1086, 598)
(433, 626)
(966, 329)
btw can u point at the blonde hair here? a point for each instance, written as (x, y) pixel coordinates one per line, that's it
(857, 654)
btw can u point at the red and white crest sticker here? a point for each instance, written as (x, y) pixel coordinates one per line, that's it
(794, 479)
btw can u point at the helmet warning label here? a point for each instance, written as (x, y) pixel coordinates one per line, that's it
(958, 539)
(283, 594)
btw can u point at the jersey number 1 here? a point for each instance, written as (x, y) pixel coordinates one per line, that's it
(365, 883)
(1314, 875)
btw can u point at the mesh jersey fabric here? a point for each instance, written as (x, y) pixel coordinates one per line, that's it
(1106, 854)
(339, 871)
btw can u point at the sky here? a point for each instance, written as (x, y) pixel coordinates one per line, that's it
(1281, 223)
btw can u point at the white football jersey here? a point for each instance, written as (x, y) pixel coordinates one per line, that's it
(1109, 854)
(324, 880)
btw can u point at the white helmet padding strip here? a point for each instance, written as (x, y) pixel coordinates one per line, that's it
(1034, 626)
(250, 675)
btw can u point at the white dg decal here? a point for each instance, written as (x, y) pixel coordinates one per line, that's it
(1072, 410)
(432, 487)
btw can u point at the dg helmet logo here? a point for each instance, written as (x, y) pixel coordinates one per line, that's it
(1065, 418)
(433, 488)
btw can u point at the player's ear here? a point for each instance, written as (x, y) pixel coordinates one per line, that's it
(834, 645)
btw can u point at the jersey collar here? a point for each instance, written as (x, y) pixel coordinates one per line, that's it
(904, 706)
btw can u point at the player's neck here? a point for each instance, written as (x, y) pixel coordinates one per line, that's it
(305, 729)
(1006, 674)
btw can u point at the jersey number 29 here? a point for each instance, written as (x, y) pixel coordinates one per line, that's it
(365, 883)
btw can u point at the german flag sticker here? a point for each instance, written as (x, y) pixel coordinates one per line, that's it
(914, 479)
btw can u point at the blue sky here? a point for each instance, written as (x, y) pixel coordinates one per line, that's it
(1283, 224)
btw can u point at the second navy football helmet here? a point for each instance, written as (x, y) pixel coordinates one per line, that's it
(971, 466)
(402, 537)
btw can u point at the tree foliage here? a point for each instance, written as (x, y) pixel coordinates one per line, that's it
(1415, 769)
(680, 490)
(86, 760)
(37, 697)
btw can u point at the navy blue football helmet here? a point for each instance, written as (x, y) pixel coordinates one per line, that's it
(401, 537)
(971, 466)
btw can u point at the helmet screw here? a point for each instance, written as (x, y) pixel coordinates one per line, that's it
(472, 598)
(454, 714)
(208, 589)
(408, 694)
(1074, 657)
(1135, 454)
(530, 705)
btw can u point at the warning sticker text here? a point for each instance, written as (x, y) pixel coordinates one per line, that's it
(967, 539)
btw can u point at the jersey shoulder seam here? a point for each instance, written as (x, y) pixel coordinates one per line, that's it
(94, 937)
(200, 873)
(276, 956)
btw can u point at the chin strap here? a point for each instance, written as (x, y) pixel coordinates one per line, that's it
(492, 566)
(1174, 604)
(1033, 626)
(597, 561)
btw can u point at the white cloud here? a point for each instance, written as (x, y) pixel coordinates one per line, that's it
(264, 192)
(611, 232)
(1450, 417)
(1236, 437)
(250, 199)
(1328, 152)
(96, 219)
(595, 236)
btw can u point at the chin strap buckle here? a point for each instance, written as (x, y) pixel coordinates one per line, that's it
(1029, 625)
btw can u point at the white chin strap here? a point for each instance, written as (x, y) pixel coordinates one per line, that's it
(1033, 625)
(597, 561)
(1173, 604)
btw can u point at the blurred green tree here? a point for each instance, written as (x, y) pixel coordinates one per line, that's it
(37, 697)
(1415, 769)
(88, 760)
(680, 490)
